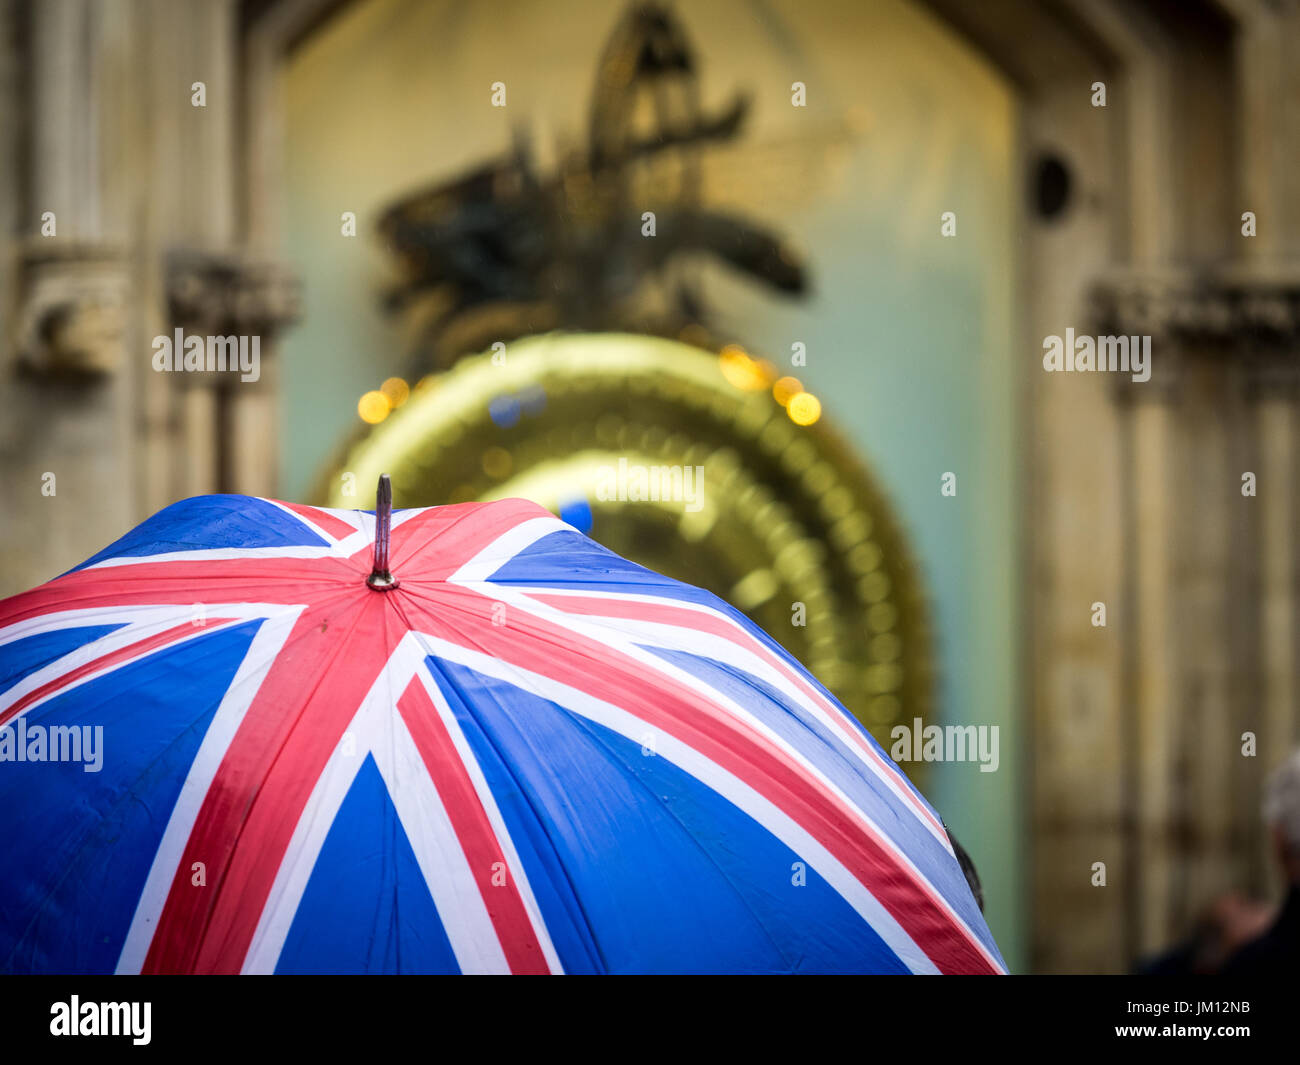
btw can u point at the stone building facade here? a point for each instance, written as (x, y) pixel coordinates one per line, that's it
(1135, 491)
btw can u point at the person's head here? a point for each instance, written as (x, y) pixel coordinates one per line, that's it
(1282, 814)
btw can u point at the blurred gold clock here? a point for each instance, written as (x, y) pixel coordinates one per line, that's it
(786, 524)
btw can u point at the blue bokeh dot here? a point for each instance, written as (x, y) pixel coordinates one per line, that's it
(578, 514)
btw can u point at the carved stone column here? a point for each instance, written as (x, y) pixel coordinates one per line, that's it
(1276, 720)
(1213, 575)
(109, 163)
(65, 414)
(1268, 86)
(234, 296)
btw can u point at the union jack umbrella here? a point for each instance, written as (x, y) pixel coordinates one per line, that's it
(240, 739)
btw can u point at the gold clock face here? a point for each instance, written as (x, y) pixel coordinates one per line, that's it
(609, 430)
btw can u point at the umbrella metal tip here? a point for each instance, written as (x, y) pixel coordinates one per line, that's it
(380, 579)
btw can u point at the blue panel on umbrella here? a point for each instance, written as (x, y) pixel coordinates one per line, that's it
(567, 559)
(86, 840)
(561, 911)
(643, 844)
(206, 522)
(367, 908)
(802, 731)
(21, 658)
(817, 741)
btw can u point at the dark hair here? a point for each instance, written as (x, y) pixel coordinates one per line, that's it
(968, 869)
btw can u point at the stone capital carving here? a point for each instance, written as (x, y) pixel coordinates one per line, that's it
(229, 294)
(71, 316)
(1229, 311)
(1249, 316)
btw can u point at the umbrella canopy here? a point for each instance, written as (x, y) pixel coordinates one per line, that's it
(251, 737)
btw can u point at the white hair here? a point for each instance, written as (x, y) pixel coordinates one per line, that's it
(1282, 800)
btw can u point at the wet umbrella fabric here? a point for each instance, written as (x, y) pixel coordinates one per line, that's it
(221, 750)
